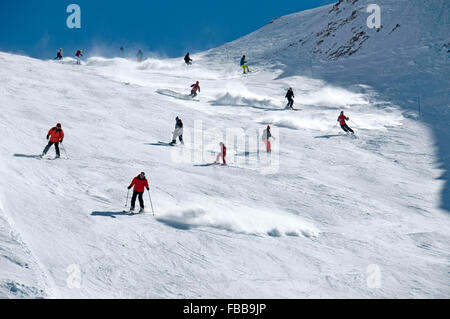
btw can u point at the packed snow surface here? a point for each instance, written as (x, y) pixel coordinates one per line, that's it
(325, 215)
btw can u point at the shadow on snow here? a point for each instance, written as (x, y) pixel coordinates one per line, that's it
(110, 214)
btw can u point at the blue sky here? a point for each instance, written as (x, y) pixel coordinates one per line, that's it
(168, 28)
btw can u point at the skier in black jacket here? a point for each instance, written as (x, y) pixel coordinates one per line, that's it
(59, 55)
(188, 59)
(290, 96)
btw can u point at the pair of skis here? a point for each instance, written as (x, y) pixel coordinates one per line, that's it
(291, 109)
(167, 144)
(210, 164)
(48, 158)
(132, 212)
(141, 211)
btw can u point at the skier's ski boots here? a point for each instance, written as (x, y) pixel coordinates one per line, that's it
(141, 211)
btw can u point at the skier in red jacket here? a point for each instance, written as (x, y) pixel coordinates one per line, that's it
(78, 55)
(194, 89)
(341, 119)
(223, 153)
(140, 183)
(56, 136)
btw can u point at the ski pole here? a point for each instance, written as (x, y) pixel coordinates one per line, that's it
(357, 126)
(126, 201)
(64, 149)
(151, 203)
(354, 123)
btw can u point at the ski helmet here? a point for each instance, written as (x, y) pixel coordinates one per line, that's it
(268, 127)
(177, 119)
(58, 125)
(198, 82)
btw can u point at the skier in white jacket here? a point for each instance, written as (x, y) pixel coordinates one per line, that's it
(267, 135)
(178, 133)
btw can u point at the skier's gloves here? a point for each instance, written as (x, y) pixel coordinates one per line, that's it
(129, 187)
(148, 188)
(61, 141)
(47, 137)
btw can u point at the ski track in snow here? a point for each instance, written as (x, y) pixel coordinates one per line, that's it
(336, 205)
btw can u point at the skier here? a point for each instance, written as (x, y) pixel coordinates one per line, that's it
(341, 119)
(139, 183)
(56, 135)
(223, 153)
(290, 96)
(194, 89)
(140, 55)
(243, 65)
(59, 55)
(187, 59)
(178, 133)
(78, 55)
(266, 138)
(122, 52)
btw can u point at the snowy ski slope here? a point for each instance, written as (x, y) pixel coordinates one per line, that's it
(313, 219)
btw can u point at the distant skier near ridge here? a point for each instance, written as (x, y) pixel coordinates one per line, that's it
(56, 135)
(223, 153)
(195, 87)
(187, 59)
(341, 119)
(122, 53)
(140, 183)
(290, 96)
(78, 56)
(267, 135)
(178, 133)
(59, 55)
(243, 64)
(140, 56)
